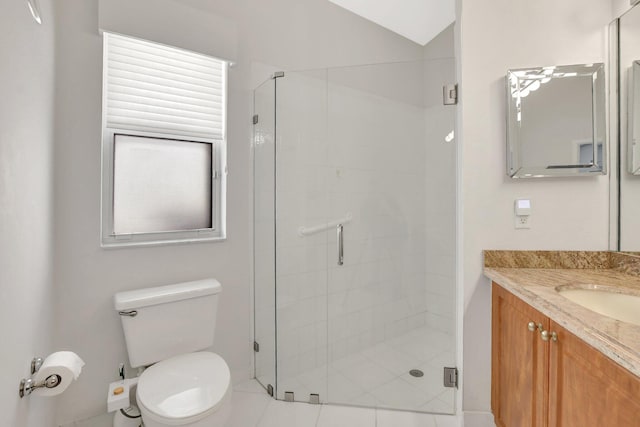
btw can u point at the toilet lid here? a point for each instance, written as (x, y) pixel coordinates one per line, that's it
(185, 386)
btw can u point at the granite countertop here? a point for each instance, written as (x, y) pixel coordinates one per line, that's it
(533, 276)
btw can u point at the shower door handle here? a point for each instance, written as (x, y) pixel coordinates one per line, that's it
(340, 229)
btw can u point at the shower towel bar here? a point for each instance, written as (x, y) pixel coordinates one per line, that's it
(308, 231)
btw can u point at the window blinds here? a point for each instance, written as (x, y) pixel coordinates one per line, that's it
(153, 88)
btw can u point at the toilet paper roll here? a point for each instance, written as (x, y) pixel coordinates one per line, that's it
(66, 364)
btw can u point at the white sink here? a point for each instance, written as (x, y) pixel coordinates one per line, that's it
(620, 304)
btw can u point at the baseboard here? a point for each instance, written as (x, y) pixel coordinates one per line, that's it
(478, 419)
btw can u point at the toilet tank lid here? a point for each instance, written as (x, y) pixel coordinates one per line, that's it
(162, 294)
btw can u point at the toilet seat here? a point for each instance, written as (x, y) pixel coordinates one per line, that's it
(184, 389)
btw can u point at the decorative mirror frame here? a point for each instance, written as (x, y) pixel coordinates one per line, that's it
(521, 82)
(633, 119)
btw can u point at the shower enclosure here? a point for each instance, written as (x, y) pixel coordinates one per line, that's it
(354, 236)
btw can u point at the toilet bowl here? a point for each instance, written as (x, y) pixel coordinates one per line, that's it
(166, 328)
(187, 390)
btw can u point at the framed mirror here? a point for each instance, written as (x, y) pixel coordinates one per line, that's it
(556, 121)
(633, 140)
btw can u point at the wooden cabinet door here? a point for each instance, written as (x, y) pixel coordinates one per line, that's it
(519, 377)
(588, 389)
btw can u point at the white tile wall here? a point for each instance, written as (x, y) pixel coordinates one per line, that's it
(441, 203)
(346, 144)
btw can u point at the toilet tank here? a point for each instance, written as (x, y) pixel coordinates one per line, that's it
(166, 321)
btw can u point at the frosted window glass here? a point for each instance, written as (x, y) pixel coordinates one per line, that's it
(161, 185)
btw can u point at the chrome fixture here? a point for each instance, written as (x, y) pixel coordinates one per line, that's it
(450, 377)
(27, 385)
(308, 231)
(450, 94)
(416, 373)
(129, 313)
(340, 229)
(121, 371)
(36, 364)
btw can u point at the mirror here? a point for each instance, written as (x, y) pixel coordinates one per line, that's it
(628, 79)
(633, 141)
(554, 116)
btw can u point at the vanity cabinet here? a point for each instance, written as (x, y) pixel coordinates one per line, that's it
(586, 388)
(519, 371)
(543, 375)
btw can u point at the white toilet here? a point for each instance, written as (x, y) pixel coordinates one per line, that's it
(167, 327)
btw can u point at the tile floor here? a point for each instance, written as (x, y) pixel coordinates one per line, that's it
(252, 407)
(378, 376)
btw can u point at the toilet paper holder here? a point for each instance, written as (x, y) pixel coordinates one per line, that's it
(28, 385)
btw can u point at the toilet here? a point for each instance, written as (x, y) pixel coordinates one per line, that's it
(166, 329)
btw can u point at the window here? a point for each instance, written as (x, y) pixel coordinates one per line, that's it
(163, 144)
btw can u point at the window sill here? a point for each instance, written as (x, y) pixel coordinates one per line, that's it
(140, 243)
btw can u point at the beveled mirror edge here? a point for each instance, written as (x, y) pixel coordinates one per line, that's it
(614, 135)
(597, 71)
(633, 157)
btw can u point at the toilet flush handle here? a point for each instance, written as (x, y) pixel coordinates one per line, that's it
(130, 313)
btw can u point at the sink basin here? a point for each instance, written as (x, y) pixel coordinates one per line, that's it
(620, 304)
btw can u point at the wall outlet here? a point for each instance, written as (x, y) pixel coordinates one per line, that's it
(522, 221)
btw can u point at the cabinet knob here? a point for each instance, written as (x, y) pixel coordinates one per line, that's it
(531, 326)
(546, 336)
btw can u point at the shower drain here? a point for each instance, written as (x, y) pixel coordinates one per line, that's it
(416, 373)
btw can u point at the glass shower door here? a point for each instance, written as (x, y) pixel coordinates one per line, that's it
(391, 303)
(355, 207)
(264, 245)
(301, 235)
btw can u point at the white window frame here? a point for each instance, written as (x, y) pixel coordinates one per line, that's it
(218, 183)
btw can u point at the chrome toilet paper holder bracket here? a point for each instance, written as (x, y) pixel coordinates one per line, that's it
(28, 385)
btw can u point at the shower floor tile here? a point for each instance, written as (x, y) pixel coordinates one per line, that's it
(379, 375)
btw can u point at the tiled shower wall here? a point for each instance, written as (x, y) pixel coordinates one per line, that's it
(302, 201)
(440, 163)
(376, 151)
(367, 141)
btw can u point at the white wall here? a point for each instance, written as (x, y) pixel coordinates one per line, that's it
(26, 144)
(285, 33)
(618, 7)
(567, 213)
